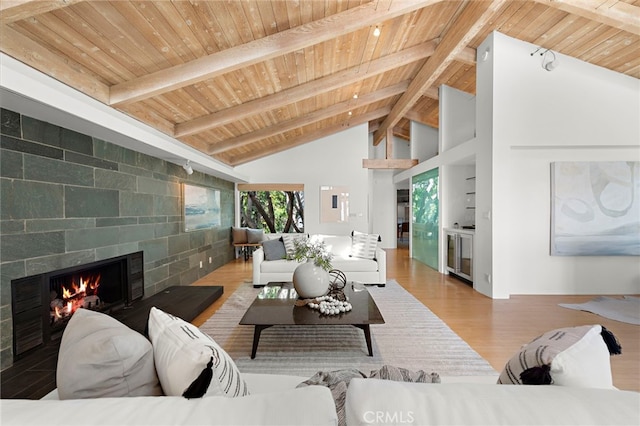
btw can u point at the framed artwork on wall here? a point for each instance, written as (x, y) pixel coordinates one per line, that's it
(201, 207)
(334, 204)
(595, 208)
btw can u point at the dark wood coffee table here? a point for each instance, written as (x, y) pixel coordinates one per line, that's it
(276, 305)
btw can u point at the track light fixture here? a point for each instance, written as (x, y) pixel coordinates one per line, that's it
(549, 60)
(187, 167)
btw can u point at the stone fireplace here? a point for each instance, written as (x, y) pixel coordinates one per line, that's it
(43, 304)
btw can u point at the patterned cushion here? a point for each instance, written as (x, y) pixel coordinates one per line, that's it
(572, 356)
(364, 245)
(289, 239)
(183, 357)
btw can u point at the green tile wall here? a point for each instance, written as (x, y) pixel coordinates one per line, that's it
(67, 198)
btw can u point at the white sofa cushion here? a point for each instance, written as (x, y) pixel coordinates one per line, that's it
(354, 264)
(182, 353)
(101, 357)
(338, 245)
(384, 402)
(279, 266)
(311, 406)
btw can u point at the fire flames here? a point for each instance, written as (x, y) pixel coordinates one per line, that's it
(76, 295)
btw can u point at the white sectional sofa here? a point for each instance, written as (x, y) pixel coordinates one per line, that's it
(274, 400)
(367, 271)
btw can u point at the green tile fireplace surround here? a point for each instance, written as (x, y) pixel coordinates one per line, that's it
(68, 199)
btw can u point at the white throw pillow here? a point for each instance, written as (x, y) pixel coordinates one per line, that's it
(101, 357)
(572, 356)
(183, 355)
(364, 245)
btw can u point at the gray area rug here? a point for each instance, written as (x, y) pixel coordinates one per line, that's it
(625, 309)
(412, 337)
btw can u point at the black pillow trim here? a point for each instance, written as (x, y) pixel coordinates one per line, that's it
(198, 388)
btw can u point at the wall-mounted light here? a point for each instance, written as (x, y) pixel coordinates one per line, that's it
(376, 31)
(485, 54)
(187, 167)
(549, 60)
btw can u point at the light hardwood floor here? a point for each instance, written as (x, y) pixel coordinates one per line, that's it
(494, 328)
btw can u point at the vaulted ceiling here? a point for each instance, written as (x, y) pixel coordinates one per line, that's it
(243, 79)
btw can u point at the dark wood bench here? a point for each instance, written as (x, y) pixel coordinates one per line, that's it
(246, 249)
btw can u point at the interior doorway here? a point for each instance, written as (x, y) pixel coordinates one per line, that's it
(403, 218)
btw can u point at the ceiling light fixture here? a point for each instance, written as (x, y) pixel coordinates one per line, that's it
(355, 96)
(549, 60)
(376, 32)
(187, 167)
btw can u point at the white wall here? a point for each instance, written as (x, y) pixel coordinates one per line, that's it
(424, 141)
(401, 148)
(333, 160)
(577, 112)
(457, 117)
(383, 207)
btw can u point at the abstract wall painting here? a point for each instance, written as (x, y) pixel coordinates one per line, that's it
(595, 208)
(201, 207)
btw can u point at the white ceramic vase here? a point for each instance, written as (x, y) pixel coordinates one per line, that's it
(310, 280)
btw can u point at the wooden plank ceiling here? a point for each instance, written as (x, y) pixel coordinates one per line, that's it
(243, 79)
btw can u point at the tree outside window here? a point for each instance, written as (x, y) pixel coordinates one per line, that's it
(273, 211)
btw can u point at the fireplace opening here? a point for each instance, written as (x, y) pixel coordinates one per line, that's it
(97, 288)
(43, 304)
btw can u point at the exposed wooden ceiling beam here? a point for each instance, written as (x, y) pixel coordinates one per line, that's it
(617, 14)
(415, 116)
(17, 10)
(19, 46)
(393, 163)
(401, 133)
(307, 137)
(305, 91)
(475, 15)
(337, 109)
(260, 50)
